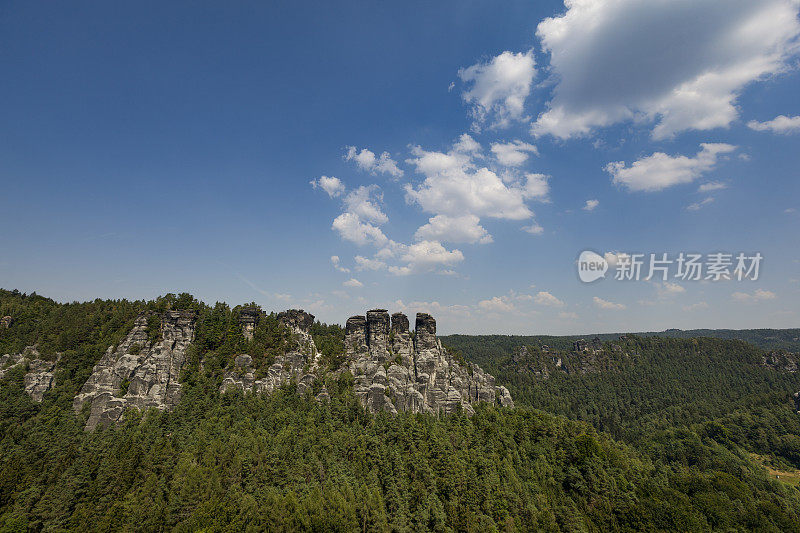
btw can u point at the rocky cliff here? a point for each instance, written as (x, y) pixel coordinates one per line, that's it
(300, 362)
(393, 369)
(39, 375)
(139, 373)
(397, 371)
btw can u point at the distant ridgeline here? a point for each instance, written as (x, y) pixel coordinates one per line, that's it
(172, 414)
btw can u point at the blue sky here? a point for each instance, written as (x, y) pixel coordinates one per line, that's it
(456, 157)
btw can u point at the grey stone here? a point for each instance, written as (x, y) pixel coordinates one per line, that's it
(146, 378)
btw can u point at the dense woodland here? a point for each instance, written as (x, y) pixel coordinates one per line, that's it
(661, 441)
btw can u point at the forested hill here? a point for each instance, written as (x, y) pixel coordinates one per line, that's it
(768, 339)
(284, 461)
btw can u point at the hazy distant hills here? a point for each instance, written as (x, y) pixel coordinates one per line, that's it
(767, 339)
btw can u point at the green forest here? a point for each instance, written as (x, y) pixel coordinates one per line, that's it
(670, 435)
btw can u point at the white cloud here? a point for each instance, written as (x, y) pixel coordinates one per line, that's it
(351, 228)
(591, 205)
(426, 255)
(605, 304)
(536, 186)
(667, 289)
(712, 186)
(366, 160)
(353, 283)
(335, 261)
(698, 205)
(757, 296)
(454, 186)
(453, 229)
(545, 298)
(533, 229)
(567, 315)
(499, 87)
(780, 124)
(364, 203)
(659, 170)
(331, 185)
(514, 153)
(466, 144)
(364, 263)
(681, 63)
(434, 308)
(497, 304)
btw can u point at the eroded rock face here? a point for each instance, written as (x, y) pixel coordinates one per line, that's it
(300, 363)
(392, 370)
(394, 373)
(249, 318)
(39, 377)
(138, 373)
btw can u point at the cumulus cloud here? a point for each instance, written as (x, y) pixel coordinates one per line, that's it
(497, 304)
(659, 170)
(545, 298)
(758, 295)
(351, 228)
(364, 201)
(434, 308)
(514, 153)
(466, 144)
(454, 229)
(498, 88)
(780, 124)
(591, 205)
(364, 263)
(454, 186)
(680, 64)
(336, 262)
(567, 315)
(366, 160)
(536, 186)
(353, 283)
(425, 256)
(667, 289)
(533, 229)
(331, 185)
(605, 304)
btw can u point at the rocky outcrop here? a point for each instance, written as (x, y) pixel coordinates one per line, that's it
(394, 371)
(781, 360)
(249, 318)
(298, 364)
(39, 375)
(138, 373)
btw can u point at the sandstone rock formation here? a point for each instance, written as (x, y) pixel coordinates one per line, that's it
(138, 373)
(39, 377)
(300, 362)
(249, 318)
(394, 371)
